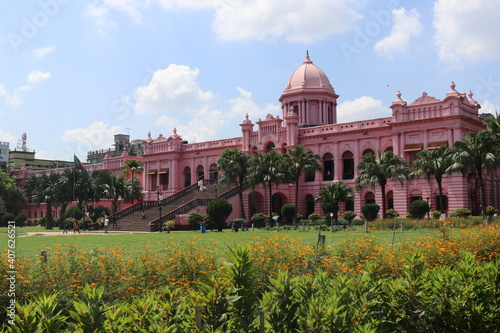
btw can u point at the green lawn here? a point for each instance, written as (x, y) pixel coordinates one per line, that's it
(136, 243)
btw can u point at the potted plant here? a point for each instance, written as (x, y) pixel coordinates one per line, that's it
(168, 225)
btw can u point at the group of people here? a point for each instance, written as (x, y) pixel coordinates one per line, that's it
(76, 226)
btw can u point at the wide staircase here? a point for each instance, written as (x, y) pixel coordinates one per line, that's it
(185, 200)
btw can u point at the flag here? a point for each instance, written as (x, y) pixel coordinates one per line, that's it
(79, 166)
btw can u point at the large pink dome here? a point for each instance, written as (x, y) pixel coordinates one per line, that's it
(308, 76)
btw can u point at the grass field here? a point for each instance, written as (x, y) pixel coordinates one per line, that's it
(31, 240)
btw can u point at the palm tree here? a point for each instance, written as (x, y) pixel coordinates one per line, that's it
(43, 189)
(475, 152)
(335, 193)
(301, 162)
(378, 170)
(132, 167)
(109, 186)
(267, 169)
(432, 163)
(234, 163)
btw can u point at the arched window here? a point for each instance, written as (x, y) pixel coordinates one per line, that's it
(328, 167)
(270, 146)
(389, 149)
(348, 164)
(200, 172)
(368, 151)
(187, 176)
(369, 198)
(309, 205)
(214, 172)
(390, 200)
(415, 195)
(349, 205)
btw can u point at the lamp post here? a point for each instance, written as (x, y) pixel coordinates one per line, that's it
(160, 199)
(428, 216)
(331, 221)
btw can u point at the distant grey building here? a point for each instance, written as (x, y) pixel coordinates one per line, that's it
(122, 141)
(4, 154)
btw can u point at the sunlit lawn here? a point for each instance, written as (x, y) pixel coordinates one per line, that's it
(136, 243)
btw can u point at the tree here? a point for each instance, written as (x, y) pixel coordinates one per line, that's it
(432, 163)
(476, 152)
(268, 169)
(109, 186)
(219, 210)
(335, 193)
(132, 167)
(301, 162)
(10, 193)
(234, 163)
(378, 170)
(43, 189)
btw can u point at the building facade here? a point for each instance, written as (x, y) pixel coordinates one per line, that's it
(309, 118)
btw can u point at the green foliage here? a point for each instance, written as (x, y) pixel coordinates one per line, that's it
(6, 218)
(418, 209)
(314, 217)
(259, 218)
(391, 214)
(289, 211)
(21, 219)
(74, 212)
(370, 211)
(461, 212)
(490, 211)
(195, 218)
(96, 212)
(436, 214)
(219, 210)
(349, 215)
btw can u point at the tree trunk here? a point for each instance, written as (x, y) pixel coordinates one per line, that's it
(242, 206)
(384, 209)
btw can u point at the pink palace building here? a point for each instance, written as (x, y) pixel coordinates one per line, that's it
(309, 118)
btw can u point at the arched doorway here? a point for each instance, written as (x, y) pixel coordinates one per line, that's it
(214, 172)
(390, 200)
(200, 172)
(328, 167)
(270, 146)
(348, 165)
(255, 200)
(369, 198)
(278, 202)
(309, 205)
(187, 176)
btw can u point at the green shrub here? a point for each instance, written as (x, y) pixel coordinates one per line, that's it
(219, 210)
(370, 211)
(288, 211)
(21, 219)
(74, 212)
(391, 213)
(6, 218)
(258, 218)
(349, 215)
(418, 209)
(314, 217)
(194, 219)
(461, 212)
(436, 214)
(490, 211)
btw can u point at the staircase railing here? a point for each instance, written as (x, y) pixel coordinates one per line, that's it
(152, 203)
(188, 206)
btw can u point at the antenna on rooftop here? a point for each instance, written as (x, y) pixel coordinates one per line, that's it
(128, 130)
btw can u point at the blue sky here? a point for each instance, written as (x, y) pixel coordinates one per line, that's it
(74, 73)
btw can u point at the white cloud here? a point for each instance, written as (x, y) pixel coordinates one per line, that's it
(488, 107)
(244, 104)
(361, 108)
(101, 17)
(38, 76)
(11, 99)
(207, 124)
(406, 25)
(296, 20)
(131, 7)
(467, 29)
(172, 90)
(43, 51)
(7, 137)
(97, 135)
